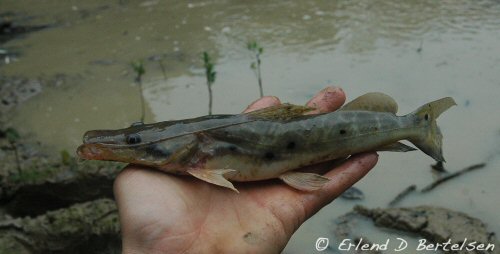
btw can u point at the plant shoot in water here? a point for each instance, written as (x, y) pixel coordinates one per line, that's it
(139, 70)
(162, 67)
(256, 49)
(210, 73)
(159, 59)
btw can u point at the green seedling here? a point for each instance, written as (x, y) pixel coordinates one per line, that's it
(210, 74)
(66, 158)
(13, 136)
(257, 50)
(139, 70)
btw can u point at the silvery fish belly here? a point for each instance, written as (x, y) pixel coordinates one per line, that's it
(272, 142)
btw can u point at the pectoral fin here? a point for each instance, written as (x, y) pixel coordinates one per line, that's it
(304, 181)
(396, 147)
(214, 176)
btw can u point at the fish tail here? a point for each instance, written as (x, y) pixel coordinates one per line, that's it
(429, 140)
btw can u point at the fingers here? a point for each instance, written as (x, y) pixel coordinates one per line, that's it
(264, 102)
(327, 100)
(341, 178)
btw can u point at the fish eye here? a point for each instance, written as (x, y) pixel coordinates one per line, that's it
(133, 139)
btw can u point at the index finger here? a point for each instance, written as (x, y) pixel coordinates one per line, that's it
(263, 102)
(327, 100)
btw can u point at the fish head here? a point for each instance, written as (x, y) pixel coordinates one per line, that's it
(130, 145)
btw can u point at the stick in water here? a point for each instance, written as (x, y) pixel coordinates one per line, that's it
(403, 194)
(451, 176)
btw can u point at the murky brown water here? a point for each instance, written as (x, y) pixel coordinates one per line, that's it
(416, 51)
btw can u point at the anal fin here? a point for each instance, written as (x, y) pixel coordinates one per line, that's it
(213, 176)
(396, 147)
(304, 181)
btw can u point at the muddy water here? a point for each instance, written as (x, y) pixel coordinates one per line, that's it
(416, 51)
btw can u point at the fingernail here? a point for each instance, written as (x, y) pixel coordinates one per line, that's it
(330, 89)
(263, 102)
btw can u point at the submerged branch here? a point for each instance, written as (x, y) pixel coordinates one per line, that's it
(403, 194)
(451, 176)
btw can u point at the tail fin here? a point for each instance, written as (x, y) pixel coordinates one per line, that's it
(429, 141)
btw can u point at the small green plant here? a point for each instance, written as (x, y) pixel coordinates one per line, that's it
(139, 70)
(257, 50)
(210, 73)
(66, 158)
(33, 173)
(13, 136)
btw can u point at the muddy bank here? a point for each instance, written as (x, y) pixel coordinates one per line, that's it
(54, 204)
(33, 182)
(90, 227)
(38, 189)
(436, 224)
(16, 90)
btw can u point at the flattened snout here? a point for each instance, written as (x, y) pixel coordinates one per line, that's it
(102, 136)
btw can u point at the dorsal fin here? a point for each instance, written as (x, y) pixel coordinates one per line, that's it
(284, 111)
(378, 102)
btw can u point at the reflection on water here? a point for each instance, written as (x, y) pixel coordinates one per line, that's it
(416, 51)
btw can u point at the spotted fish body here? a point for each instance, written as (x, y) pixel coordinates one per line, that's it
(281, 146)
(270, 143)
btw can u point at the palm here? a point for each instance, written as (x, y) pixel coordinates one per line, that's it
(178, 222)
(163, 213)
(178, 214)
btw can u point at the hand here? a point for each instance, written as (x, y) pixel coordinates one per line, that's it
(162, 213)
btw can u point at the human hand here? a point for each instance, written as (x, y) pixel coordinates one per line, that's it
(162, 213)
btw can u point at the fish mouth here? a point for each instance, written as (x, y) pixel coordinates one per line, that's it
(97, 151)
(103, 152)
(91, 151)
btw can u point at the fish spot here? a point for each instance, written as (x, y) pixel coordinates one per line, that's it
(233, 148)
(269, 155)
(290, 145)
(426, 117)
(342, 132)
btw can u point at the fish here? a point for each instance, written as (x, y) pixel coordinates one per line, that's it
(272, 142)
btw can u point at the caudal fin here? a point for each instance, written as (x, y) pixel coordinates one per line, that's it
(430, 139)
